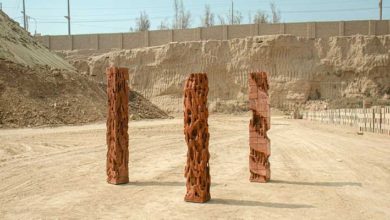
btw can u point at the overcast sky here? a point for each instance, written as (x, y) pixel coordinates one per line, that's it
(103, 16)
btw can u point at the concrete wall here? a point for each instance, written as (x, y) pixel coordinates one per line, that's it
(268, 29)
(155, 38)
(134, 40)
(160, 37)
(297, 29)
(185, 35)
(212, 33)
(108, 41)
(327, 29)
(239, 31)
(60, 43)
(357, 27)
(85, 41)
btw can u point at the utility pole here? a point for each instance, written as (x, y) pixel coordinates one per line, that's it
(232, 13)
(68, 17)
(28, 23)
(380, 9)
(24, 16)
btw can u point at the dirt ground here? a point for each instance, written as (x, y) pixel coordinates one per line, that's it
(318, 172)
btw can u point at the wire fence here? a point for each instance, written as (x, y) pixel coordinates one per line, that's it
(375, 119)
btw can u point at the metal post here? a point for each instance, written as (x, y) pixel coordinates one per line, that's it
(232, 12)
(380, 9)
(68, 17)
(24, 15)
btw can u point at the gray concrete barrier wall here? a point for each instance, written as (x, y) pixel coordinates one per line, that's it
(160, 37)
(85, 41)
(185, 35)
(239, 31)
(224, 32)
(134, 40)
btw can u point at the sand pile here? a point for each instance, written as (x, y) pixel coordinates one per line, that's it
(141, 108)
(301, 69)
(38, 88)
(17, 46)
(39, 95)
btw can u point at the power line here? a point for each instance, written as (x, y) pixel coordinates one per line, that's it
(114, 8)
(100, 26)
(164, 17)
(96, 21)
(82, 20)
(333, 10)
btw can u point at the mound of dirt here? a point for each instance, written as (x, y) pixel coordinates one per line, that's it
(39, 88)
(39, 95)
(17, 46)
(141, 108)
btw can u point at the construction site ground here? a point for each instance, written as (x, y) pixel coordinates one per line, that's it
(317, 172)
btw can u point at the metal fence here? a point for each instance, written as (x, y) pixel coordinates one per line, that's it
(375, 119)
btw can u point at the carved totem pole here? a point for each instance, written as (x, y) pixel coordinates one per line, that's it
(259, 125)
(117, 125)
(197, 171)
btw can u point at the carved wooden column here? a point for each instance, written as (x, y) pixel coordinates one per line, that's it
(259, 125)
(117, 125)
(197, 171)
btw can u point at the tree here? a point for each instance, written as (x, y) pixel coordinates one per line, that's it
(182, 17)
(208, 17)
(276, 15)
(237, 17)
(185, 17)
(175, 24)
(221, 20)
(260, 17)
(164, 25)
(143, 22)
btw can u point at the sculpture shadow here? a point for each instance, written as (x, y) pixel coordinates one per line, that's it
(156, 183)
(160, 183)
(330, 184)
(279, 124)
(235, 202)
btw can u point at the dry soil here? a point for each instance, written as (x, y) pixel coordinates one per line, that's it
(318, 172)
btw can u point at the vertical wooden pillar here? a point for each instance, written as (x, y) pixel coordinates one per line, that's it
(197, 171)
(117, 125)
(259, 125)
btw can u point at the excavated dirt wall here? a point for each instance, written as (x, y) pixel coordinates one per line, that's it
(301, 70)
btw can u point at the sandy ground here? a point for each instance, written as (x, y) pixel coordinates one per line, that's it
(318, 172)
